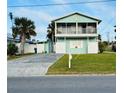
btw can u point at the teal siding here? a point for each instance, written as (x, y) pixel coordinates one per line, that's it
(46, 47)
(67, 41)
(76, 18)
(93, 39)
(82, 50)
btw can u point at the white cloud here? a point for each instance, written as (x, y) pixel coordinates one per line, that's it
(41, 33)
(102, 9)
(35, 14)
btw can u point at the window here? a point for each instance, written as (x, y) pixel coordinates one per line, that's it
(91, 28)
(81, 28)
(71, 28)
(61, 28)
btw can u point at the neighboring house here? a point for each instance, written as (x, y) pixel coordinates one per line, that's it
(76, 33)
(34, 47)
(30, 46)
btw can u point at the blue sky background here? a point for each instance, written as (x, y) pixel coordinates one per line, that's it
(43, 15)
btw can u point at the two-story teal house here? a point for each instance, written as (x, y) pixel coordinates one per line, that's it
(76, 33)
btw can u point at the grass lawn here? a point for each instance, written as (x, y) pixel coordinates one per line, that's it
(18, 56)
(85, 64)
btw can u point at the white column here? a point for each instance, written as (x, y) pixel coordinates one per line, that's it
(65, 45)
(86, 27)
(55, 36)
(55, 44)
(66, 27)
(97, 27)
(55, 28)
(76, 28)
(87, 44)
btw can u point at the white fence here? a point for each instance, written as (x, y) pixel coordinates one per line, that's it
(29, 48)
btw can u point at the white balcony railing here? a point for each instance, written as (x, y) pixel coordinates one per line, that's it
(79, 31)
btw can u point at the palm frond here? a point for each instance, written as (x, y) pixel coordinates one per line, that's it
(23, 26)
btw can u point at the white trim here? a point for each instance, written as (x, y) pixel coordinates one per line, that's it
(86, 26)
(66, 27)
(97, 27)
(55, 28)
(87, 45)
(76, 35)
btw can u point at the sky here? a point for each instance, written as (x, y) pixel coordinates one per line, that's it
(42, 16)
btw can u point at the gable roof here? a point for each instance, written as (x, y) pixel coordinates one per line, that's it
(77, 14)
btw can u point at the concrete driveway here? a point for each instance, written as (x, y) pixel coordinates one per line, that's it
(33, 65)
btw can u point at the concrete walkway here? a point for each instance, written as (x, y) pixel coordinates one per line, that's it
(33, 65)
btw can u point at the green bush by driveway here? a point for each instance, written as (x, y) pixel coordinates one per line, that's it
(12, 49)
(104, 63)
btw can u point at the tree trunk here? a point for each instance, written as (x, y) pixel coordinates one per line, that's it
(23, 39)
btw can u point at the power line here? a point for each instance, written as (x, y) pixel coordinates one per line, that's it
(58, 4)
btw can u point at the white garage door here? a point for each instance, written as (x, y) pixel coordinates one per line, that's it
(93, 47)
(60, 47)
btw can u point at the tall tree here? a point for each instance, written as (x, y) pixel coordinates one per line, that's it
(115, 28)
(51, 32)
(25, 28)
(99, 37)
(51, 35)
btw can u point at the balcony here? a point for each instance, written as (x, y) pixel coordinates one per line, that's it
(80, 28)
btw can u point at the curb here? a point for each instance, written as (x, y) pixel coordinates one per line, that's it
(83, 75)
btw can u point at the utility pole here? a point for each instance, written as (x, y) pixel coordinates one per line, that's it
(11, 17)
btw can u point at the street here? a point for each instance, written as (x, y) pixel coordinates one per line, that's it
(62, 84)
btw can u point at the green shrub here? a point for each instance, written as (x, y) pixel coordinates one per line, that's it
(12, 49)
(114, 47)
(105, 43)
(102, 47)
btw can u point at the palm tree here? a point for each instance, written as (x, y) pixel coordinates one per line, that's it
(24, 28)
(51, 36)
(50, 32)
